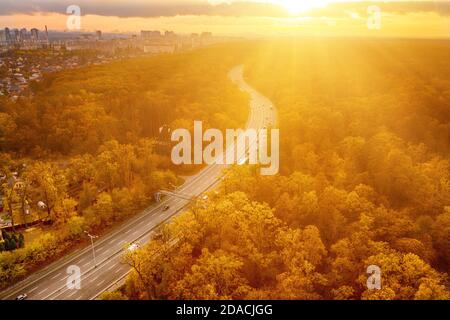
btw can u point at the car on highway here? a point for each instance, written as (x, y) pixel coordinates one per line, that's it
(22, 297)
(134, 246)
(165, 208)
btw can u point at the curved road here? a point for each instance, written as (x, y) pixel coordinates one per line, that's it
(50, 282)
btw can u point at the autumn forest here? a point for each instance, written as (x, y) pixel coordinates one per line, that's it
(364, 171)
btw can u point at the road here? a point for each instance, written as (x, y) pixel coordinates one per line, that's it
(50, 282)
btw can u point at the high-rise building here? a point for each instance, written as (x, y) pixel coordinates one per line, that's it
(15, 35)
(23, 34)
(150, 34)
(46, 34)
(34, 34)
(206, 35)
(2, 37)
(8, 35)
(169, 34)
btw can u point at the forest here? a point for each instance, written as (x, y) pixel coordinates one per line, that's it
(84, 150)
(364, 128)
(364, 170)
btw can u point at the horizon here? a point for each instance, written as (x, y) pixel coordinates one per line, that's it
(410, 19)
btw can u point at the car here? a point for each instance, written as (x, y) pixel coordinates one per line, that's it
(165, 208)
(134, 246)
(22, 297)
(205, 197)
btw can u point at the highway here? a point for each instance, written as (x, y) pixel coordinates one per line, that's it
(50, 282)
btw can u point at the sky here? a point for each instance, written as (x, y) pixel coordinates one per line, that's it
(400, 18)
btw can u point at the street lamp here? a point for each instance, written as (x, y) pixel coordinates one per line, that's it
(93, 248)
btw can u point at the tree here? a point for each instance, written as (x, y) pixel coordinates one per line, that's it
(441, 238)
(65, 210)
(116, 296)
(214, 276)
(406, 277)
(49, 185)
(148, 266)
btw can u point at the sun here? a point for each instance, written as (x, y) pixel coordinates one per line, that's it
(298, 6)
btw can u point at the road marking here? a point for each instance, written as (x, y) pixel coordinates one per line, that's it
(74, 292)
(93, 279)
(42, 291)
(33, 289)
(84, 259)
(112, 266)
(54, 277)
(117, 271)
(101, 282)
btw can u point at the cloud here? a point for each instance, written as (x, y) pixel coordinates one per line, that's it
(167, 8)
(342, 9)
(139, 8)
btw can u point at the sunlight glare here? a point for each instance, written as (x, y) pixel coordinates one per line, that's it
(298, 6)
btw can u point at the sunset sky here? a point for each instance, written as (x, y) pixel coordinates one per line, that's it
(236, 17)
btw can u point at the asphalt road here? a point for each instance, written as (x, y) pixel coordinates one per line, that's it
(50, 282)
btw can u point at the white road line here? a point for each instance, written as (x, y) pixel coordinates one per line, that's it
(109, 251)
(54, 277)
(82, 260)
(101, 282)
(74, 292)
(42, 291)
(112, 266)
(117, 271)
(29, 291)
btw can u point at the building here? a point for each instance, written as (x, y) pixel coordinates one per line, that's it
(159, 48)
(34, 34)
(23, 35)
(15, 35)
(2, 37)
(46, 34)
(98, 34)
(8, 35)
(145, 34)
(169, 34)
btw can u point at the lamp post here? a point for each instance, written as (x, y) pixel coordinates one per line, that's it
(93, 248)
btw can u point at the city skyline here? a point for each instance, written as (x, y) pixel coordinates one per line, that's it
(428, 19)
